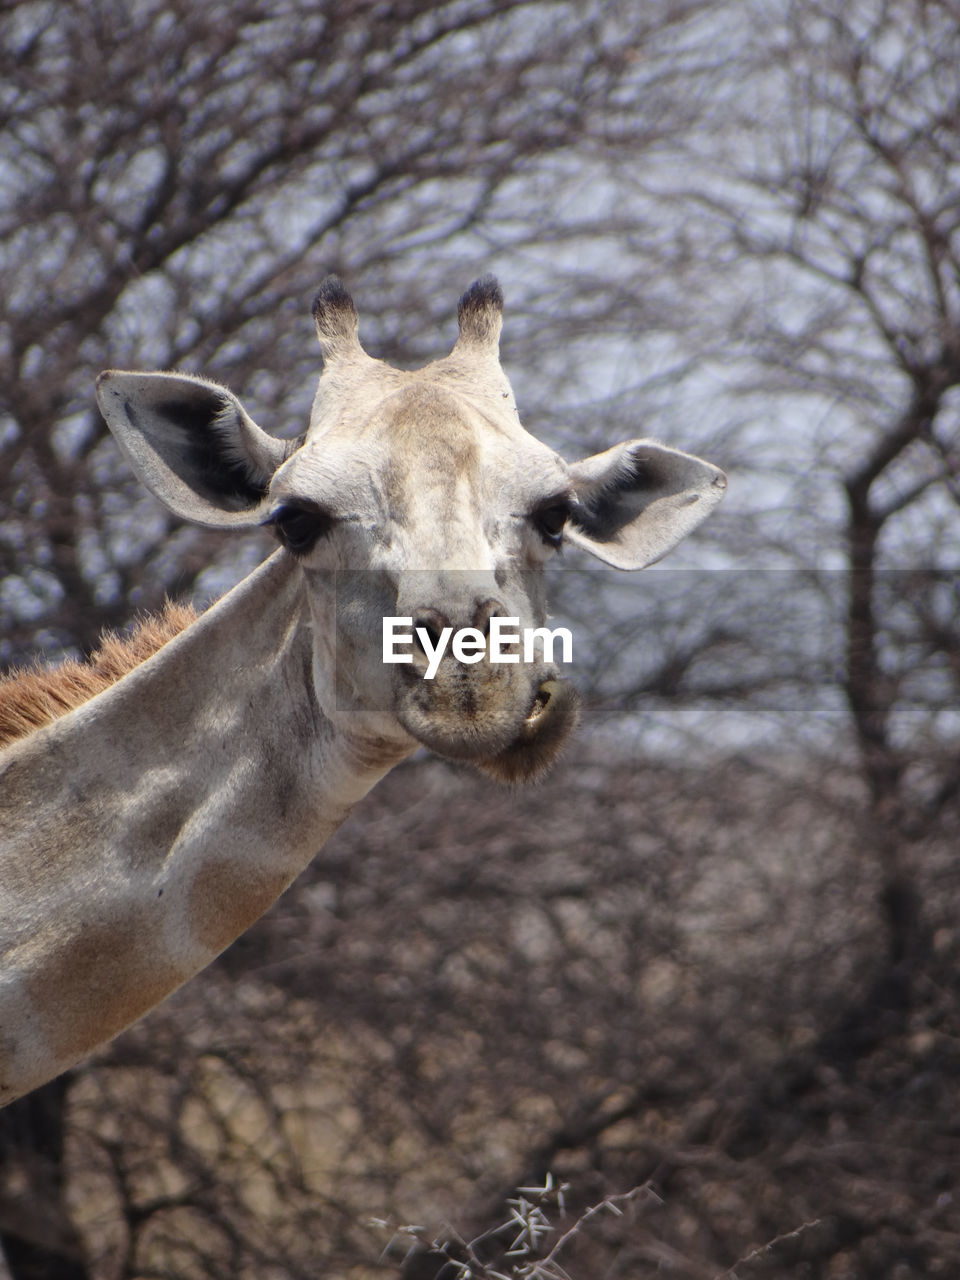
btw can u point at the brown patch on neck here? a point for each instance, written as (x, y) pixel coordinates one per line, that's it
(36, 696)
(95, 984)
(226, 896)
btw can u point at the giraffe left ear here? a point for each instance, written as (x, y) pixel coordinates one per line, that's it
(192, 444)
(636, 501)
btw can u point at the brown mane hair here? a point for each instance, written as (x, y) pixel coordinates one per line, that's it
(34, 696)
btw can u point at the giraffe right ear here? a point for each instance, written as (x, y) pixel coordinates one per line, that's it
(192, 444)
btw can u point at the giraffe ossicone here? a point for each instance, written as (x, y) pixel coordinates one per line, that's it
(146, 828)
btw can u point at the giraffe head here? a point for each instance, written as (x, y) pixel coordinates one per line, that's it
(415, 495)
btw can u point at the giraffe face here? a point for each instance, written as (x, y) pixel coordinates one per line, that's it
(436, 513)
(417, 497)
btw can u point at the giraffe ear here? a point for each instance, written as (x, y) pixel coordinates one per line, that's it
(192, 444)
(636, 501)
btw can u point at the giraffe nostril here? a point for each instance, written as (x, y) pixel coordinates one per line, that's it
(487, 609)
(431, 621)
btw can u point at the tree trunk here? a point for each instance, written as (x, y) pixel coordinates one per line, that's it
(37, 1237)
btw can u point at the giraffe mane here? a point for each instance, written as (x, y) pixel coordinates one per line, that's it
(31, 697)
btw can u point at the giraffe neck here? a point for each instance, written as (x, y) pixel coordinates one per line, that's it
(143, 832)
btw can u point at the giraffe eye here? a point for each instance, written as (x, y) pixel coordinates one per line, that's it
(549, 520)
(300, 528)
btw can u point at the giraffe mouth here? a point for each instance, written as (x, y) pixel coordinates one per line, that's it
(552, 717)
(541, 701)
(506, 725)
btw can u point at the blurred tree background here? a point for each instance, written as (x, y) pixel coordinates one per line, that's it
(714, 957)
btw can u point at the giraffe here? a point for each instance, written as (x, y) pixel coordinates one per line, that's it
(144, 829)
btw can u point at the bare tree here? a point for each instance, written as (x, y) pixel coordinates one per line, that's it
(634, 977)
(820, 217)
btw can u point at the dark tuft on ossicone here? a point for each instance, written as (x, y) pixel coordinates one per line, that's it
(334, 310)
(479, 311)
(332, 296)
(482, 294)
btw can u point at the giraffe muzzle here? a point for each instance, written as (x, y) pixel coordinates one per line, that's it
(510, 722)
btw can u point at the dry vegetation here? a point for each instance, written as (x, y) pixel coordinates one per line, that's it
(636, 977)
